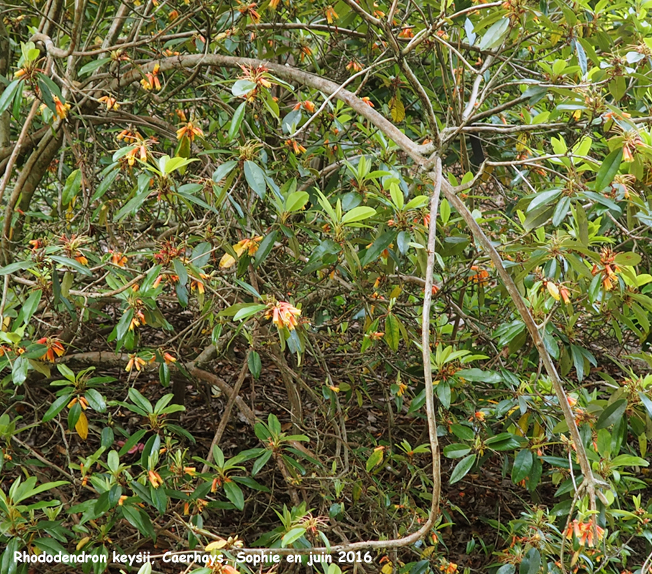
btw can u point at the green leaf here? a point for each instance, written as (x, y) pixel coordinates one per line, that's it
(139, 400)
(29, 307)
(581, 57)
(358, 214)
(242, 88)
(19, 370)
(494, 36)
(611, 414)
(17, 266)
(234, 494)
(608, 169)
(628, 258)
(647, 403)
(237, 120)
(92, 66)
(462, 468)
(181, 271)
(504, 441)
(95, 400)
(378, 246)
(296, 200)
(260, 462)
(628, 460)
(392, 332)
(56, 407)
(249, 310)
(9, 93)
(266, 245)
(134, 203)
(71, 187)
(72, 264)
(254, 364)
(543, 198)
(292, 536)
(255, 177)
(375, 459)
(456, 450)
(223, 170)
(522, 465)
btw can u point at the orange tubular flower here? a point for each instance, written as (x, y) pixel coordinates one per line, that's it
(168, 358)
(62, 109)
(198, 283)
(250, 10)
(309, 106)
(368, 102)
(283, 314)
(296, 146)
(190, 130)
(135, 361)
(481, 276)
(154, 478)
(117, 258)
(248, 245)
(353, 66)
(151, 81)
(585, 532)
(406, 33)
(110, 102)
(331, 15)
(54, 348)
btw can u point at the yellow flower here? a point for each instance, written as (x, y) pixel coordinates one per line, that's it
(248, 245)
(553, 290)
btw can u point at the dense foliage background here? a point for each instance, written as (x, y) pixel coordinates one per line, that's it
(232, 232)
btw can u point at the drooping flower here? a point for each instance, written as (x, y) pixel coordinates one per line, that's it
(189, 130)
(354, 66)
(481, 276)
(110, 102)
(54, 346)
(135, 361)
(151, 80)
(249, 10)
(296, 146)
(60, 107)
(248, 245)
(283, 314)
(117, 258)
(154, 478)
(585, 532)
(331, 15)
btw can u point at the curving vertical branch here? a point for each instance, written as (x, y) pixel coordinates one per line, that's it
(590, 481)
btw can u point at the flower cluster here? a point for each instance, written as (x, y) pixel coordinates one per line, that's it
(151, 80)
(248, 245)
(54, 348)
(283, 314)
(585, 532)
